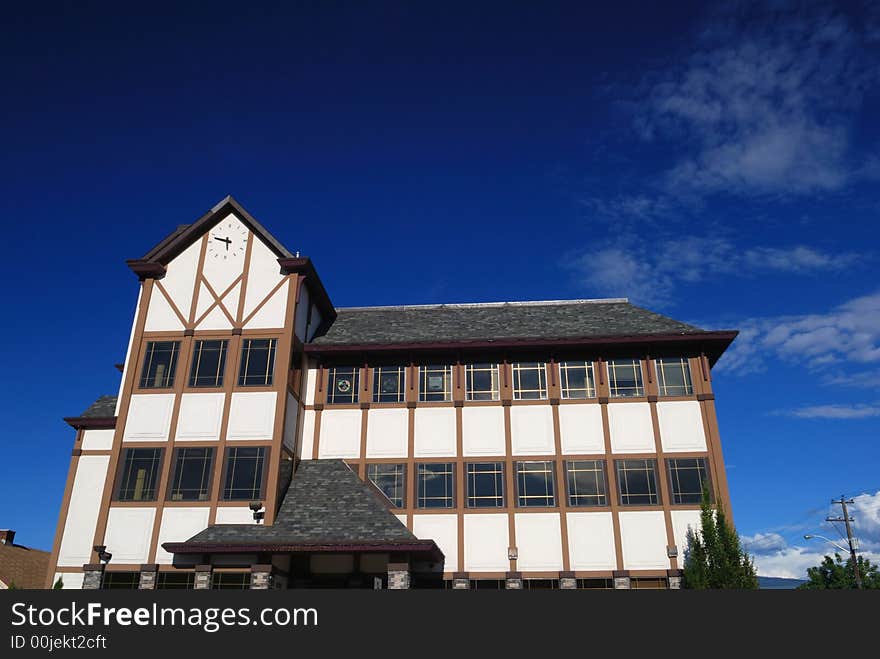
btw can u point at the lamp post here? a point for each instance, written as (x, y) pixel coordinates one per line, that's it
(851, 550)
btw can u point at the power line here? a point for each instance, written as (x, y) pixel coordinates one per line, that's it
(846, 519)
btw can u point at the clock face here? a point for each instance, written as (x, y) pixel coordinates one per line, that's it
(227, 241)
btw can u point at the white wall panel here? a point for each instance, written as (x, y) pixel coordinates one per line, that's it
(272, 313)
(137, 311)
(180, 277)
(252, 415)
(387, 433)
(531, 430)
(290, 418)
(70, 580)
(220, 272)
(442, 529)
(681, 519)
(160, 315)
(538, 541)
(263, 276)
(435, 432)
(310, 378)
(215, 320)
(340, 434)
(401, 519)
(591, 541)
(580, 429)
(129, 531)
(486, 541)
(234, 515)
(681, 426)
(149, 417)
(179, 525)
(307, 441)
(98, 440)
(631, 428)
(483, 431)
(200, 417)
(78, 536)
(643, 539)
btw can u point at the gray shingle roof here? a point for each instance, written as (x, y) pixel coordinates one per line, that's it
(448, 323)
(326, 503)
(104, 407)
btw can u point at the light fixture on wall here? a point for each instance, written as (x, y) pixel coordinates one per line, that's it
(672, 551)
(103, 555)
(259, 514)
(512, 553)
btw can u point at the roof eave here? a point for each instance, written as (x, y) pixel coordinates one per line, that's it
(90, 422)
(422, 546)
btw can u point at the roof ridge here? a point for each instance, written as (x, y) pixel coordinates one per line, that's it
(471, 305)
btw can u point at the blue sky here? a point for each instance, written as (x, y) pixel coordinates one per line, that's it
(717, 165)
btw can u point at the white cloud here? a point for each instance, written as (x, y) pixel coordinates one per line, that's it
(649, 275)
(848, 333)
(836, 411)
(761, 543)
(763, 106)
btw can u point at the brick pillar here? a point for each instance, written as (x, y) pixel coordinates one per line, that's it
(461, 581)
(398, 576)
(149, 573)
(567, 581)
(674, 578)
(261, 577)
(203, 577)
(94, 576)
(513, 581)
(621, 579)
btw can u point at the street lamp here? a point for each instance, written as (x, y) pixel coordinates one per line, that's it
(851, 550)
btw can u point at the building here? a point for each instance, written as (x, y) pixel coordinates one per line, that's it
(263, 438)
(21, 567)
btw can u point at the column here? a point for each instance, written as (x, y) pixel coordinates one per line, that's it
(94, 576)
(461, 581)
(567, 581)
(674, 578)
(398, 576)
(261, 577)
(513, 581)
(621, 579)
(203, 577)
(149, 574)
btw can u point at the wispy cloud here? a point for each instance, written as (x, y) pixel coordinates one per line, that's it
(649, 275)
(763, 542)
(835, 411)
(847, 333)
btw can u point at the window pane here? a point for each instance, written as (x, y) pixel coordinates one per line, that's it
(140, 474)
(160, 362)
(343, 385)
(121, 580)
(176, 580)
(435, 383)
(257, 362)
(586, 483)
(686, 479)
(485, 485)
(389, 384)
(436, 486)
(674, 377)
(208, 364)
(637, 482)
(391, 480)
(482, 382)
(231, 580)
(535, 483)
(625, 377)
(529, 381)
(576, 379)
(192, 474)
(244, 474)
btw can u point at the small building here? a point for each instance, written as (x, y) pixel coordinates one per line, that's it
(263, 438)
(21, 567)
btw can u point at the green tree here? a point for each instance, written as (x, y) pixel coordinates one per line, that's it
(835, 574)
(59, 583)
(714, 557)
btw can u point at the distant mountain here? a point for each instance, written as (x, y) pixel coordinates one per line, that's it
(778, 583)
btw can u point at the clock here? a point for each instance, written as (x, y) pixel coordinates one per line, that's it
(227, 241)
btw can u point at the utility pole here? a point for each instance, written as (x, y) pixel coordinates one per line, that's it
(846, 519)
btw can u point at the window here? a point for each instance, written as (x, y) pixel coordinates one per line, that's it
(481, 382)
(637, 482)
(435, 383)
(244, 474)
(343, 385)
(674, 377)
(257, 362)
(192, 474)
(436, 485)
(139, 475)
(529, 381)
(176, 580)
(391, 481)
(208, 364)
(485, 484)
(231, 580)
(625, 378)
(687, 476)
(389, 384)
(535, 484)
(121, 580)
(586, 482)
(160, 362)
(577, 379)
